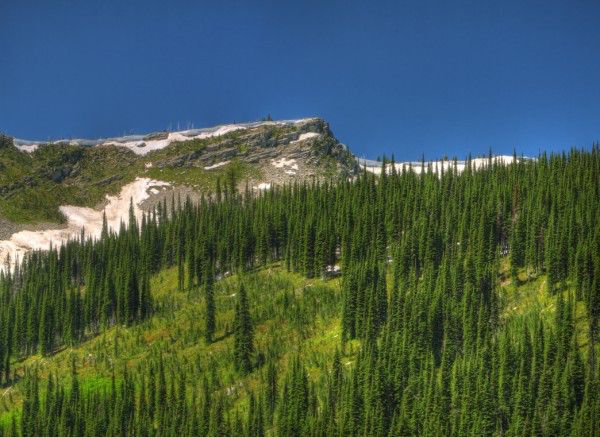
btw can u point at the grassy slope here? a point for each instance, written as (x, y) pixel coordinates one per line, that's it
(530, 299)
(205, 180)
(97, 165)
(13, 164)
(176, 330)
(101, 171)
(310, 325)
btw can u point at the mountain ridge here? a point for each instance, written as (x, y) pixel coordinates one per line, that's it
(50, 193)
(268, 152)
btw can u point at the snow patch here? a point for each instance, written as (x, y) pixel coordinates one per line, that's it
(222, 130)
(78, 218)
(306, 136)
(28, 148)
(148, 165)
(290, 172)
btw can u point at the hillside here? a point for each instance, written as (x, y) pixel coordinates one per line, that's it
(393, 304)
(313, 332)
(50, 192)
(37, 178)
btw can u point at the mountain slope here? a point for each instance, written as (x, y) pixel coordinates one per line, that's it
(462, 304)
(50, 192)
(35, 179)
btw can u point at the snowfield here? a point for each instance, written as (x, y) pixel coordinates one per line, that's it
(78, 218)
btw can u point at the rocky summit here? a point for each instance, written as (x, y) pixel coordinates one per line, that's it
(37, 178)
(281, 151)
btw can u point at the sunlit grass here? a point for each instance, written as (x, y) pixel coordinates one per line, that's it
(292, 315)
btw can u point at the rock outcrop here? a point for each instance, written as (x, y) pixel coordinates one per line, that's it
(282, 152)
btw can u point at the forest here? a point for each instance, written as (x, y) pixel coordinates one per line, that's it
(439, 303)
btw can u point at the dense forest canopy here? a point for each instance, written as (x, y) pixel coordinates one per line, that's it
(427, 343)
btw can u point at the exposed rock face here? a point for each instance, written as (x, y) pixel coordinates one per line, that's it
(282, 152)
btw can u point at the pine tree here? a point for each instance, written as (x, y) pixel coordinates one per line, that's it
(210, 323)
(243, 333)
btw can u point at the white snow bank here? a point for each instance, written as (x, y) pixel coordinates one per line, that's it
(306, 136)
(222, 130)
(78, 218)
(284, 162)
(29, 148)
(217, 165)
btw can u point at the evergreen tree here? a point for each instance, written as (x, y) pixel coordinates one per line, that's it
(243, 333)
(210, 325)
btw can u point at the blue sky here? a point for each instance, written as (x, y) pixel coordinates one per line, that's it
(408, 78)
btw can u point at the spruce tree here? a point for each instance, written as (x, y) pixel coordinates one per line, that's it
(210, 323)
(243, 333)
